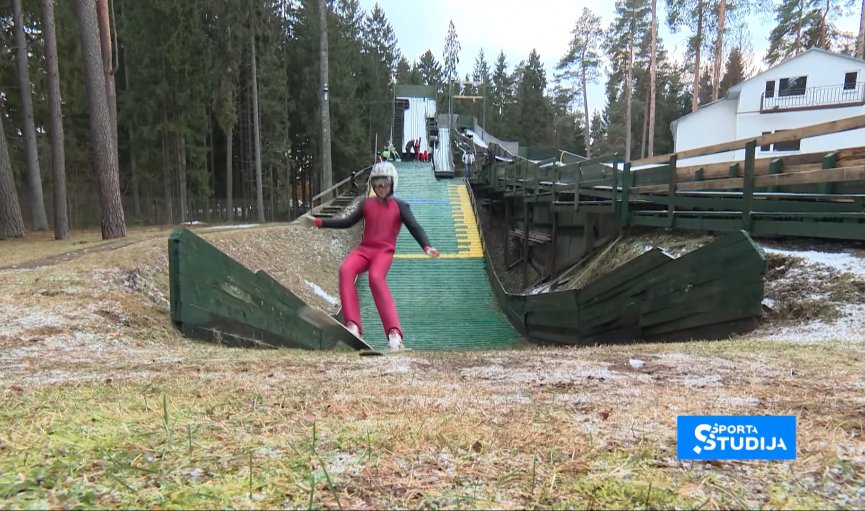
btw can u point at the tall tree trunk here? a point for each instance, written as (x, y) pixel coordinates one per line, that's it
(628, 95)
(180, 158)
(644, 128)
(58, 155)
(719, 49)
(259, 188)
(102, 149)
(229, 174)
(34, 174)
(652, 79)
(104, 19)
(292, 170)
(166, 176)
(695, 99)
(824, 20)
(133, 164)
(860, 41)
(587, 129)
(326, 167)
(11, 221)
(797, 43)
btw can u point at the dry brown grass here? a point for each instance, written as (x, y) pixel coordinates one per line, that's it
(102, 404)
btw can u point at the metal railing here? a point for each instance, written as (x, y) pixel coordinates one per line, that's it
(814, 97)
(357, 178)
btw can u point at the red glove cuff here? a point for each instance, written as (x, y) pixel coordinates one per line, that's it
(318, 222)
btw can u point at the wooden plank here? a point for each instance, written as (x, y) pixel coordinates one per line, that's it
(814, 130)
(836, 175)
(762, 203)
(748, 184)
(623, 275)
(216, 296)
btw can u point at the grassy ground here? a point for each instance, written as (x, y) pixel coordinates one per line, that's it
(102, 404)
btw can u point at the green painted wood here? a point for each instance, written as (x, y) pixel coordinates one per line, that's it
(775, 167)
(733, 170)
(829, 161)
(748, 188)
(216, 298)
(780, 227)
(625, 209)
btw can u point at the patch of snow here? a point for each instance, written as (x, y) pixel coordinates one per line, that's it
(768, 302)
(841, 261)
(848, 327)
(740, 402)
(636, 363)
(223, 227)
(322, 293)
(700, 381)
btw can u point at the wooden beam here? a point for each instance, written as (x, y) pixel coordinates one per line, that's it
(851, 123)
(836, 175)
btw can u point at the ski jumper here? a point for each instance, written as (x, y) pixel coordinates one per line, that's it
(383, 219)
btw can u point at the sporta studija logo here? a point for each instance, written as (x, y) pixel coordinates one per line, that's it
(734, 437)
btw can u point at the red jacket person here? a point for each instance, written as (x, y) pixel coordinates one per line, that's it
(383, 216)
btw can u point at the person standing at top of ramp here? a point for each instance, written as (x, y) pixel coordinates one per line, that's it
(468, 159)
(383, 216)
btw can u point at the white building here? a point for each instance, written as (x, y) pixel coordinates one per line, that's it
(813, 87)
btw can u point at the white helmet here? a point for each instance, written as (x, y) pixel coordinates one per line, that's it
(384, 169)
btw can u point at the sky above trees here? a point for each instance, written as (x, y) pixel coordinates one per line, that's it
(516, 27)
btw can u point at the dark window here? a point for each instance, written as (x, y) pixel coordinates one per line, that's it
(850, 80)
(794, 86)
(766, 147)
(770, 89)
(792, 145)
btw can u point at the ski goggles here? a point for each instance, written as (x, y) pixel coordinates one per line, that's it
(380, 182)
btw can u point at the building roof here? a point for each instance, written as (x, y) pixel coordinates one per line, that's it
(717, 102)
(736, 88)
(414, 91)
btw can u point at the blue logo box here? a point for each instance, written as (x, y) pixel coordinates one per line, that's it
(736, 437)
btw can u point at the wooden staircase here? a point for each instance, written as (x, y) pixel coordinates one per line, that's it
(337, 205)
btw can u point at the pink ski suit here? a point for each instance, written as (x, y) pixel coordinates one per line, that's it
(383, 219)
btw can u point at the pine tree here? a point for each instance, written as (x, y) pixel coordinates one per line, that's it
(229, 24)
(104, 157)
(582, 61)
(630, 26)
(58, 156)
(11, 222)
(860, 38)
(34, 174)
(800, 25)
(403, 72)
(381, 58)
(480, 74)
(735, 70)
(502, 98)
(692, 14)
(430, 70)
(533, 114)
(451, 60)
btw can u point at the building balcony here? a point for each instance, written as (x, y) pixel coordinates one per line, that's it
(832, 96)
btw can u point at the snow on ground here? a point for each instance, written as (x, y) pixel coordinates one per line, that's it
(809, 279)
(322, 293)
(224, 227)
(841, 261)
